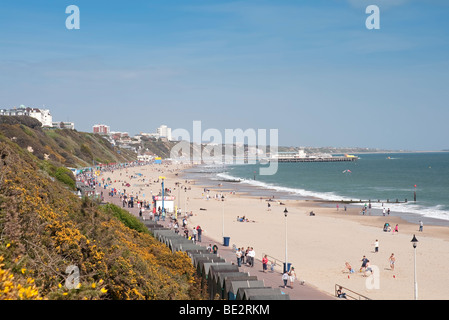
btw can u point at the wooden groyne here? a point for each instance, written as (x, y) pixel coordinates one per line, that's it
(324, 159)
(361, 201)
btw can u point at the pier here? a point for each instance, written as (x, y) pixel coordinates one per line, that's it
(301, 156)
(325, 159)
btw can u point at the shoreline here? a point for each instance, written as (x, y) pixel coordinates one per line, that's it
(257, 191)
(318, 246)
(440, 227)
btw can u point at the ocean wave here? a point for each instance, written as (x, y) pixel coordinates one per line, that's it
(436, 212)
(293, 191)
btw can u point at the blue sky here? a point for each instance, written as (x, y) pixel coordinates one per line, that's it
(310, 69)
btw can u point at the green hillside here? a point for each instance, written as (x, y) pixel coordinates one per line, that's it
(62, 146)
(46, 231)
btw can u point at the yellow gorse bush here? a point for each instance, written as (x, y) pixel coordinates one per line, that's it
(47, 228)
(13, 289)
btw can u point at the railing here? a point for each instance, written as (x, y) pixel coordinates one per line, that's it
(274, 264)
(349, 293)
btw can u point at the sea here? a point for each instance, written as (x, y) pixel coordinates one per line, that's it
(414, 186)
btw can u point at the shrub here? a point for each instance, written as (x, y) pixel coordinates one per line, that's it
(65, 176)
(125, 217)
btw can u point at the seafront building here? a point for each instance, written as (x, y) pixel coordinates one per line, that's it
(164, 132)
(43, 115)
(101, 129)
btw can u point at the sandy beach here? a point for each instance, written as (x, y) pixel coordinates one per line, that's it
(317, 246)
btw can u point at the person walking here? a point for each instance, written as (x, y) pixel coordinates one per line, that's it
(376, 246)
(392, 261)
(238, 254)
(251, 255)
(364, 262)
(264, 263)
(285, 278)
(199, 231)
(396, 229)
(421, 225)
(292, 276)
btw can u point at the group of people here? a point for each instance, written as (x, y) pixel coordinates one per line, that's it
(289, 276)
(244, 219)
(387, 228)
(366, 268)
(212, 248)
(245, 256)
(194, 234)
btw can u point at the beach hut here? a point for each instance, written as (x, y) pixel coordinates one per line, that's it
(205, 266)
(269, 297)
(150, 223)
(200, 249)
(212, 278)
(202, 255)
(245, 293)
(181, 246)
(199, 265)
(174, 243)
(159, 233)
(200, 261)
(219, 285)
(216, 287)
(166, 237)
(152, 227)
(234, 284)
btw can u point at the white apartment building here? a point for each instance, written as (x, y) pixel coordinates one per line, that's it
(164, 132)
(43, 115)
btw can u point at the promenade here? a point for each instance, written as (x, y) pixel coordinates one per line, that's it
(271, 278)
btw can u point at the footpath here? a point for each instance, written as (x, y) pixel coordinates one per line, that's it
(271, 278)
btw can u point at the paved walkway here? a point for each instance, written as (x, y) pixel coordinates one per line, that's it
(271, 278)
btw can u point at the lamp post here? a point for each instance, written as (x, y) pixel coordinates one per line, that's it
(185, 199)
(222, 215)
(286, 259)
(415, 241)
(225, 239)
(163, 190)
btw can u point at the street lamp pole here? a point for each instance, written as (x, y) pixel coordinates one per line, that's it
(163, 190)
(222, 200)
(286, 259)
(415, 241)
